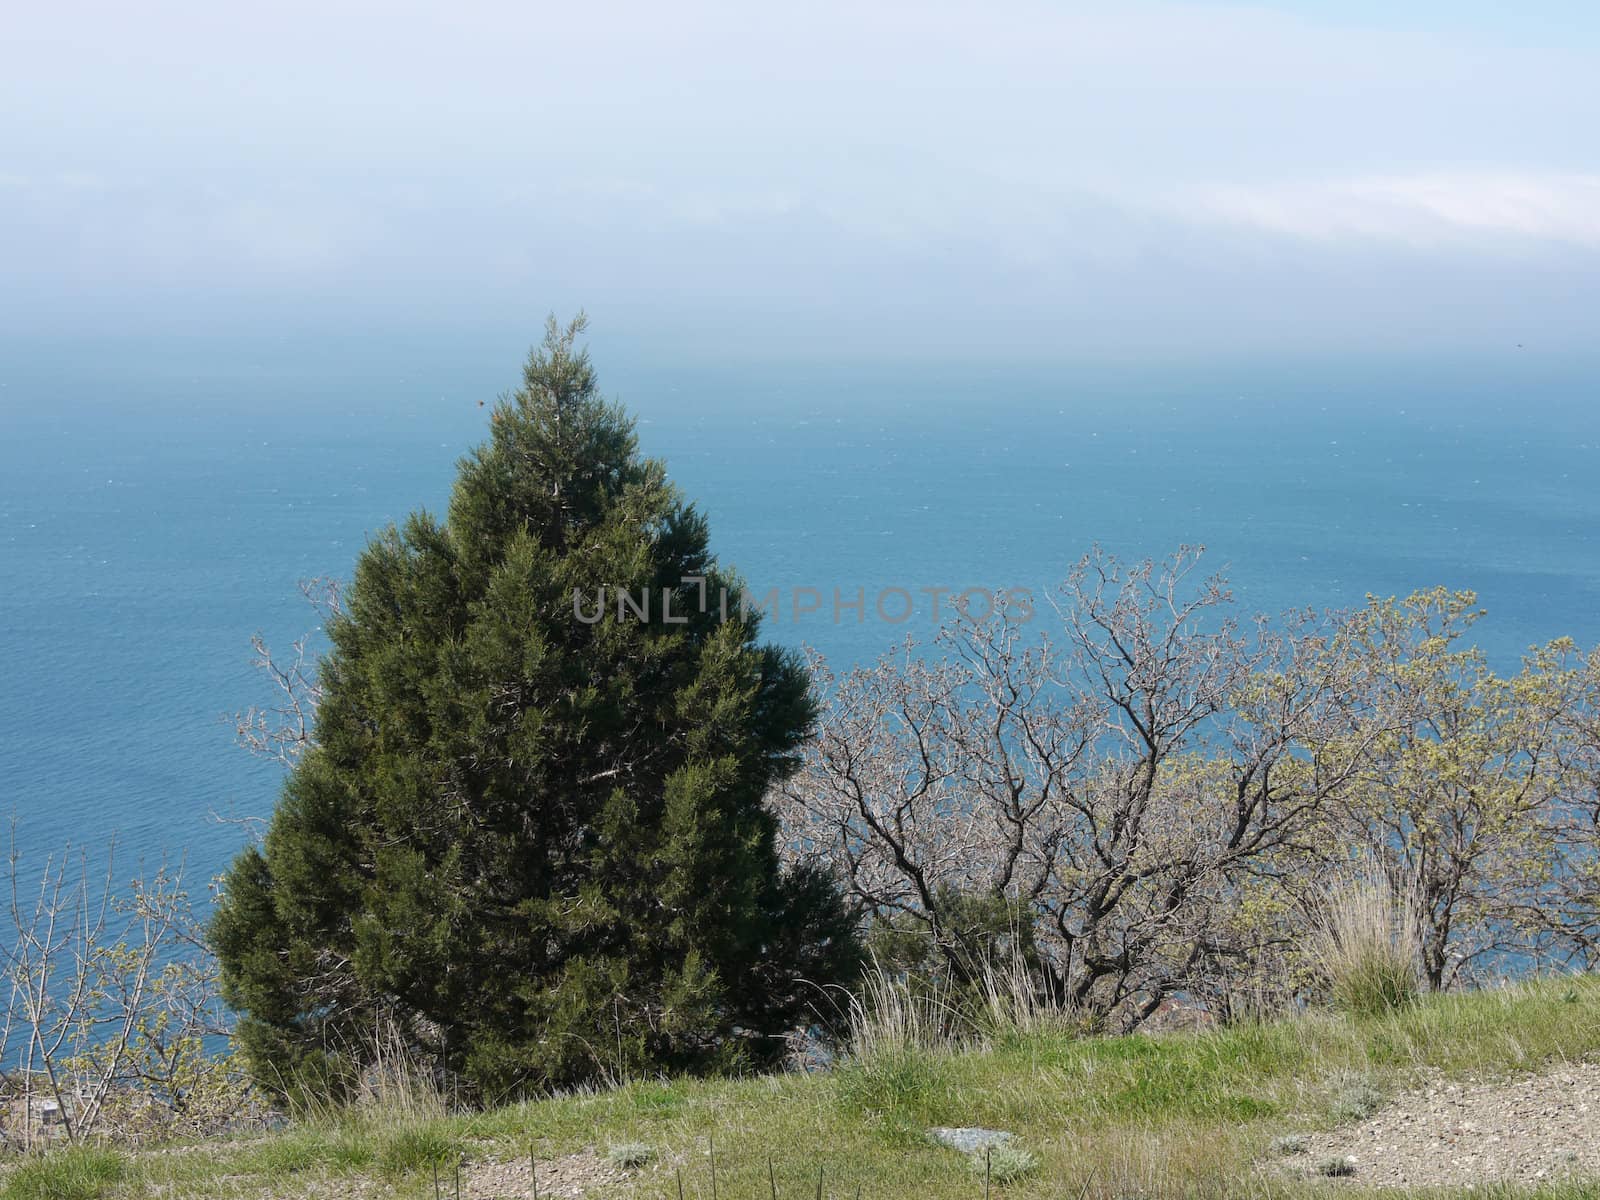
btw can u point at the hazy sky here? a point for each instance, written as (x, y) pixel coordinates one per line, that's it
(1043, 179)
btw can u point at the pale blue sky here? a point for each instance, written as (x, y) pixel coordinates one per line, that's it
(1032, 178)
(1532, 22)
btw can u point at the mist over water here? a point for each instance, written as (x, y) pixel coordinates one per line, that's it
(158, 506)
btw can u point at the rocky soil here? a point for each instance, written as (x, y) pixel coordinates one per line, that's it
(560, 1178)
(1525, 1130)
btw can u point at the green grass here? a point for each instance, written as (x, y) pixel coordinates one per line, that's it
(1182, 1115)
(411, 1148)
(78, 1173)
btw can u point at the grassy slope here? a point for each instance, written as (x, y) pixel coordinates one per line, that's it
(1180, 1115)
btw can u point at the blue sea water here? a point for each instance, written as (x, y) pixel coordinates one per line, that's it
(159, 503)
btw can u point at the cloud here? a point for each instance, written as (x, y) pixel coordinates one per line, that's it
(1424, 209)
(1146, 170)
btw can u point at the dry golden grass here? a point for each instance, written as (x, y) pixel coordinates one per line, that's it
(1365, 943)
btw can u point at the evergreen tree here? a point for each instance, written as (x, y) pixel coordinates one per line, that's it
(533, 845)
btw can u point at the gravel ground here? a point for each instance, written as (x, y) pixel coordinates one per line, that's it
(1526, 1130)
(559, 1178)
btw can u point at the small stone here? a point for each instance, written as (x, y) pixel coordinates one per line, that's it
(970, 1139)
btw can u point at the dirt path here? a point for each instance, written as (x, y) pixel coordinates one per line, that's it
(1536, 1128)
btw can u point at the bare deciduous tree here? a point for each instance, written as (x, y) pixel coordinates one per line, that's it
(282, 730)
(1125, 784)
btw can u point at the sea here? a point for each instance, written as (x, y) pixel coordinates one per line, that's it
(160, 500)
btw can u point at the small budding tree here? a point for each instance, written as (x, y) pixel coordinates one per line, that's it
(1558, 894)
(533, 847)
(1457, 795)
(111, 1021)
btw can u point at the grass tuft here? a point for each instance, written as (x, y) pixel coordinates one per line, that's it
(1355, 1098)
(898, 1085)
(1335, 1168)
(1365, 943)
(1015, 1009)
(630, 1156)
(73, 1173)
(889, 1014)
(1003, 1163)
(411, 1148)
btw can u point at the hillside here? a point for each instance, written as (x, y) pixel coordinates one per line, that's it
(1257, 1110)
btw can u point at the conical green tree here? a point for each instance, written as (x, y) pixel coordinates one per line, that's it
(533, 846)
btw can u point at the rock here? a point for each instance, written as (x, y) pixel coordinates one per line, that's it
(1177, 1016)
(970, 1139)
